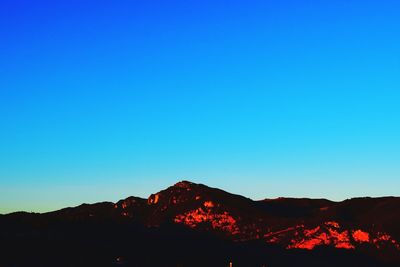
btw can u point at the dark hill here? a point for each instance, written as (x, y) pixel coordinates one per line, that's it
(192, 224)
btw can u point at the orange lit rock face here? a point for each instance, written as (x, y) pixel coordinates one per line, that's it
(128, 203)
(321, 239)
(153, 199)
(332, 224)
(128, 206)
(382, 240)
(208, 204)
(360, 236)
(382, 237)
(328, 234)
(218, 220)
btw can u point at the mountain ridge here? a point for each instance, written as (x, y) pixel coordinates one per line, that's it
(200, 184)
(362, 225)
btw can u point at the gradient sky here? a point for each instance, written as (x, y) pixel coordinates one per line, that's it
(100, 100)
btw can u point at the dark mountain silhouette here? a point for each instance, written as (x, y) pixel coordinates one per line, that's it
(191, 224)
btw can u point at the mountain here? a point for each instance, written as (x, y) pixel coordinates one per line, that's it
(191, 224)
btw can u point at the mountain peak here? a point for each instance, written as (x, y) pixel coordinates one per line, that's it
(178, 193)
(184, 184)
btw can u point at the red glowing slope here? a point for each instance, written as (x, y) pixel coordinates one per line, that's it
(292, 223)
(365, 223)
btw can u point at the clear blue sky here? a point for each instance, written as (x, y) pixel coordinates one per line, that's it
(100, 100)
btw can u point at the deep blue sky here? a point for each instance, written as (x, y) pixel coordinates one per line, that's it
(105, 99)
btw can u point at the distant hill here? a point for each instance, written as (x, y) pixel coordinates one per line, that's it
(191, 224)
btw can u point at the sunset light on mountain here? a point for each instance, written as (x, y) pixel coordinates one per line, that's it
(199, 133)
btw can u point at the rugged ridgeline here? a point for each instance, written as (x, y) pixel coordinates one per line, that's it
(191, 224)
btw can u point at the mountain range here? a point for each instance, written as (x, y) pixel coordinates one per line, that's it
(191, 224)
